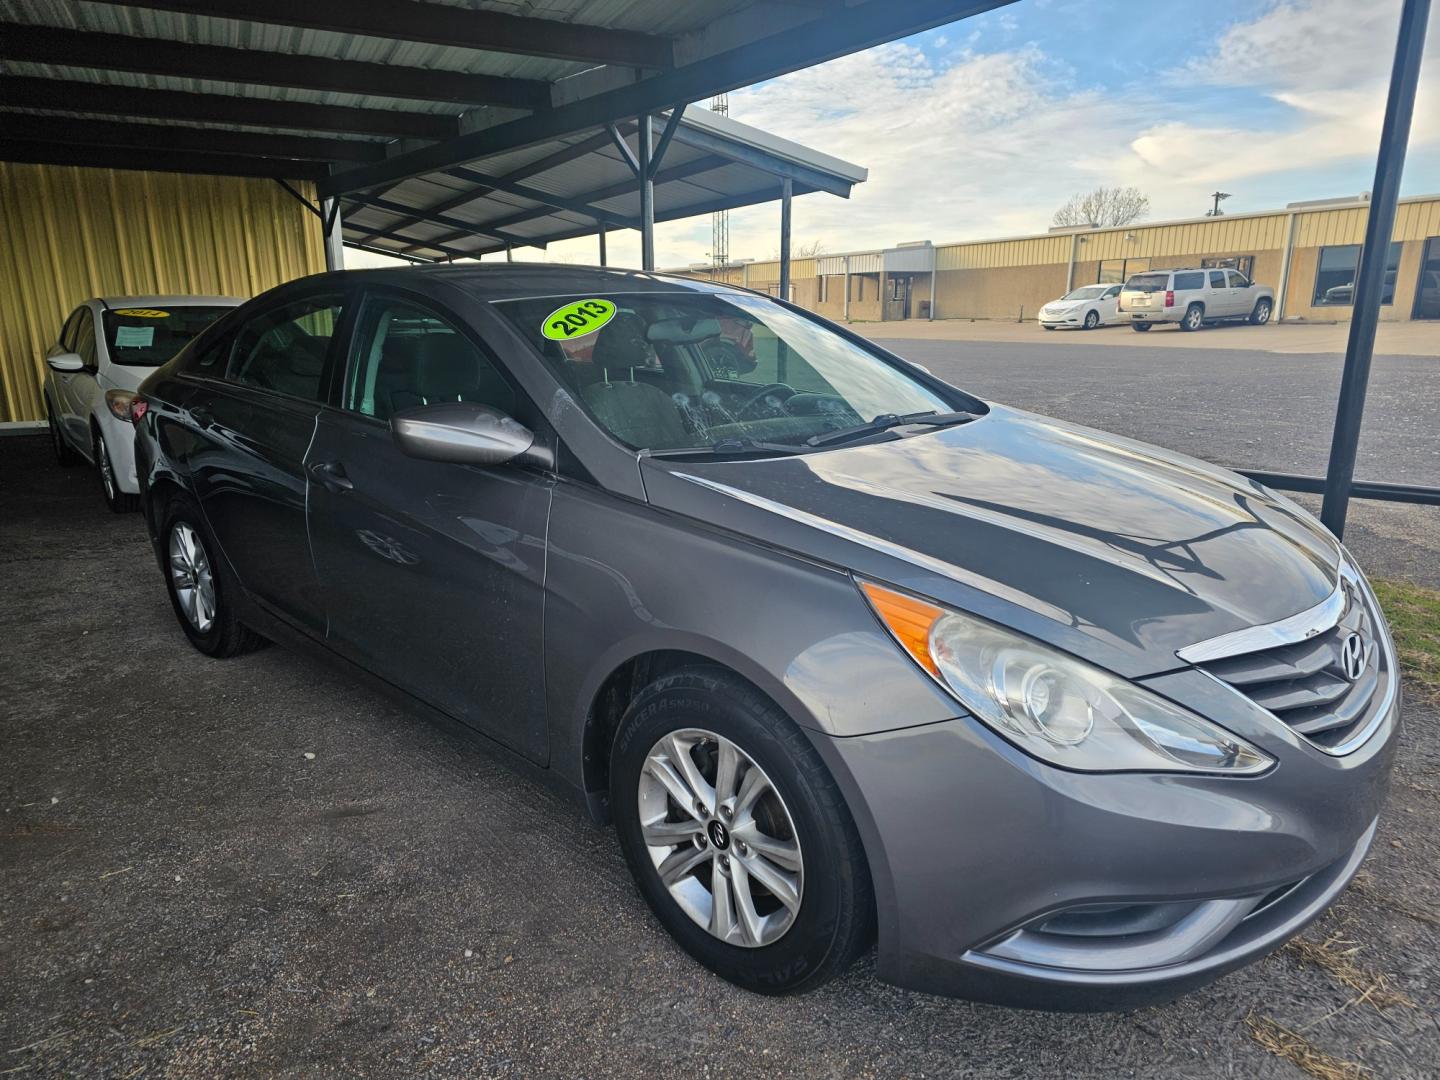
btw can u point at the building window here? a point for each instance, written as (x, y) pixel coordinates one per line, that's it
(1335, 275)
(1243, 263)
(1118, 271)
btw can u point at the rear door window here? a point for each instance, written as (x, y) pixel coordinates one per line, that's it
(1192, 280)
(1217, 279)
(285, 349)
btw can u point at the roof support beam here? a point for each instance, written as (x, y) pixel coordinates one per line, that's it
(34, 93)
(809, 43)
(697, 139)
(416, 245)
(439, 24)
(128, 157)
(679, 172)
(177, 137)
(117, 52)
(671, 126)
(540, 165)
(437, 218)
(544, 198)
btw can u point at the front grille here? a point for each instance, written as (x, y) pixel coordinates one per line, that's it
(1305, 684)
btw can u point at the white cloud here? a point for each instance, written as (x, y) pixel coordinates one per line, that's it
(988, 144)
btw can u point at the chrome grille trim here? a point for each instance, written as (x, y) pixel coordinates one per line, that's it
(1285, 678)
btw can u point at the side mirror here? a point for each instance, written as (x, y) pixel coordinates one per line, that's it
(66, 362)
(461, 432)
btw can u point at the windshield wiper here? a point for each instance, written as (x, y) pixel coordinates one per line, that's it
(886, 421)
(727, 448)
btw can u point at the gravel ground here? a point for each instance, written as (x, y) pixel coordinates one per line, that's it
(185, 891)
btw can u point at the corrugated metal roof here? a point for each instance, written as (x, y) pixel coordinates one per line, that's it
(691, 180)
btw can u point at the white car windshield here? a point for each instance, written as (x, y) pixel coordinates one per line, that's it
(1089, 292)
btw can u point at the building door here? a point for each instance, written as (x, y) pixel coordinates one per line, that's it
(1427, 289)
(897, 297)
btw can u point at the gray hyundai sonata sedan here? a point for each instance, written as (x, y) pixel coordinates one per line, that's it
(845, 654)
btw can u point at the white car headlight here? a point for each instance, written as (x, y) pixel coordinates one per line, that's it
(1054, 705)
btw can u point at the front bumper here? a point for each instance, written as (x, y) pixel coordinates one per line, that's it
(1066, 318)
(1159, 883)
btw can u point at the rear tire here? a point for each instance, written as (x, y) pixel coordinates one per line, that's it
(1140, 327)
(1261, 315)
(665, 770)
(202, 589)
(120, 502)
(65, 454)
(1194, 318)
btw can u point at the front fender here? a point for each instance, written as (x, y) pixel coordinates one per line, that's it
(624, 579)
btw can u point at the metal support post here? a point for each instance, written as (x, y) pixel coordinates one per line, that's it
(1389, 164)
(647, 194)
(786, 190)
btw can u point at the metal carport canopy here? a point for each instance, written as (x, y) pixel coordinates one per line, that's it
(576, 185)
(361, 96)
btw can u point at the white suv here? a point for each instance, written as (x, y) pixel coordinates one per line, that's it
(103, 353)
(1193, 298)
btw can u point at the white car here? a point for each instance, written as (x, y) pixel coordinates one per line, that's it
(1084, 308)
(103, 352)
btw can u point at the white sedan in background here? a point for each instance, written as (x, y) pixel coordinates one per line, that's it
(101, 355)
(1084, 308)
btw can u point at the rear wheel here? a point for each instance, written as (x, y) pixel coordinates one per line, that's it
(120, 502)
(737, 835)
(202, 590)
(65, 454)
(1140, 327)
(1194, 318)
(1092, 320)
(1261, 315)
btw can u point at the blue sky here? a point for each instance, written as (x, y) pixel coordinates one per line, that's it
(983, 127)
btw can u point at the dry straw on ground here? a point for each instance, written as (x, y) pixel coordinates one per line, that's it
(1301, 1053)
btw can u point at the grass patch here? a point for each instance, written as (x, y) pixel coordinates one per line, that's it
(1413, 613)
(1336, 957)
(1302, 1053)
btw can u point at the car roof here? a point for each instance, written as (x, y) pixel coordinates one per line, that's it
(165, 301)
(519, 281)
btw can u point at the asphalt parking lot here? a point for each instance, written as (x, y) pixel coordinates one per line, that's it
(255, 868)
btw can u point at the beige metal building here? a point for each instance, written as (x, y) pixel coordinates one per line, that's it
(1307, 251)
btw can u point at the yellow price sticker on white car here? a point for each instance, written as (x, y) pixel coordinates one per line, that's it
(577, 319)
(141, 313)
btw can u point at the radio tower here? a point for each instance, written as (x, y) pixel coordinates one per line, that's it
(720, 220)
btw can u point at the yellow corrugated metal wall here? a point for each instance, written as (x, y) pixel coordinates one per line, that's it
(67, 234)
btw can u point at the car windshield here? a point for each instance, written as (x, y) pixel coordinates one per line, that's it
(1089, 292)
(148, 336)
(1148, 282)
(672, 371)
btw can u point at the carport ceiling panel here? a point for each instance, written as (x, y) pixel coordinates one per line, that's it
(114, 18)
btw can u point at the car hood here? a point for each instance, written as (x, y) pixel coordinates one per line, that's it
(1113, 549)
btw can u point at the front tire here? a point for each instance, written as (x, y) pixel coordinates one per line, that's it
(1092, 320)
(737, 835)
(202, 590)
(1261, 315)
(120, 502)
(1194, 318)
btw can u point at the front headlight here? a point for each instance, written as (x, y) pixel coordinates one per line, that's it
(1053, 705)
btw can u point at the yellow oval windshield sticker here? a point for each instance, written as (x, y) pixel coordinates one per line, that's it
(141, 313)
(577, 319)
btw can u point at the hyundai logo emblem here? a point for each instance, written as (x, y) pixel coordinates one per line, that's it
(1352, 657)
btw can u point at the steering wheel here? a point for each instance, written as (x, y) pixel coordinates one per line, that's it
(755, 398)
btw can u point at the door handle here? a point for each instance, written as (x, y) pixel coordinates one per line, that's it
(331, 475)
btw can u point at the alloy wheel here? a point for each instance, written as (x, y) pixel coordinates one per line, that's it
(721, 838)
(1262, 313)
(191, 575)
(107, 474)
